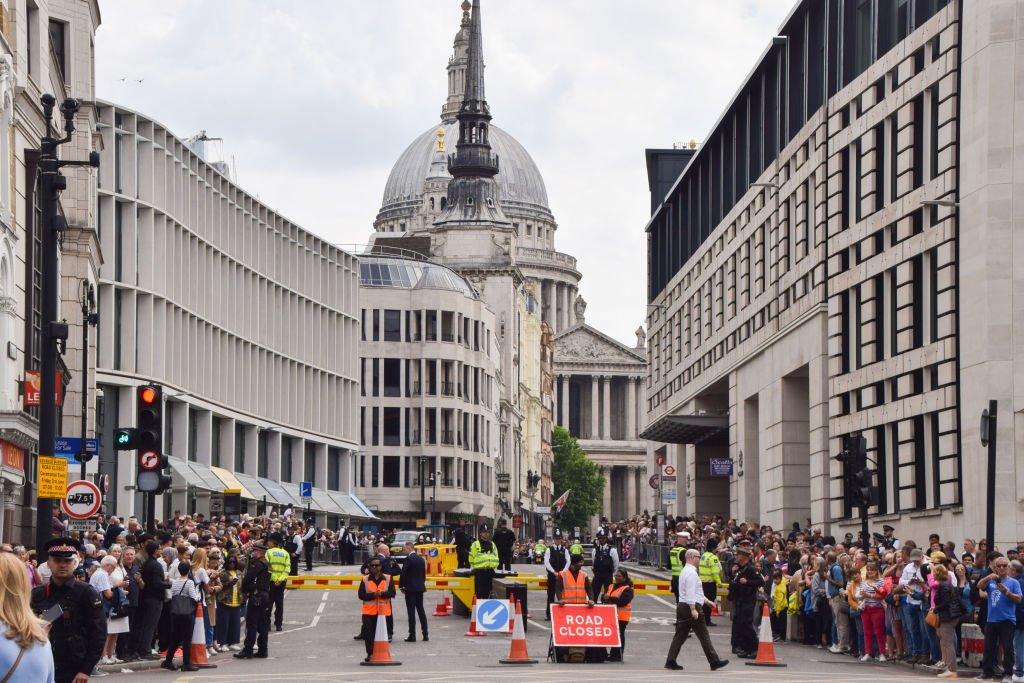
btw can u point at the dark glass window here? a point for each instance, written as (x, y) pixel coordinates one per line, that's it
(392, 433)
(392, 326)
(863, 37)
(391, 470)
(309, 466)
(58, 43)
(392, 376)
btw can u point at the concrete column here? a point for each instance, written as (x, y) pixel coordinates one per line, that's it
(606, 501)
(274, 456)
(204, 437)
(594, 405)
(346, 469)
(227, 443)
(563, 402)
(630, 491)
(250, 450)
(299, 459)
(572, 306)
(606, 408)
(320, 480)
(563, 306)
(631, 408)
(178, 417)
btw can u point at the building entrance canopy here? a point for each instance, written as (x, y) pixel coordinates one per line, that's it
(702, 429)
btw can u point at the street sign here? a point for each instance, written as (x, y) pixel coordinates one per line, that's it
(306, 491)
(503, 479)
(583, 626)
(517, 521)
(52, 477)
(721, 467)
(492, 616)
(668, 472)
(668, 496)
(216, 504)
(68, 446)
(654, 481)
(83, 500)
(149, 460)
(82, 526)
(543, 509)
(660, 459)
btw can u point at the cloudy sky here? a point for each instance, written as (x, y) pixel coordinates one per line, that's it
(317, 99)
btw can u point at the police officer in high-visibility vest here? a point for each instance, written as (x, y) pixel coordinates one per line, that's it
(576, 548)
(376, 591)
(483, 559)
(676, 559)
(620, 594)
(710, 572)
(280, 566)
(556, 558)
(539, 548)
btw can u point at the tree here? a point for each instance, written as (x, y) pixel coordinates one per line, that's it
(574, 470)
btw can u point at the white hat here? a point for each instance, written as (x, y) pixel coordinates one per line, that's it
(683, 534)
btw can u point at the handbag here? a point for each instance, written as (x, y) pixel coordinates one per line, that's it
(932, 619)
(14, 667)
(183, 605)
(118, 604)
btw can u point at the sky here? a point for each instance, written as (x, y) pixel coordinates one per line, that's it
(316, 99)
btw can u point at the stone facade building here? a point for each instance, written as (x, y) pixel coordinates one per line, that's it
(836, 259)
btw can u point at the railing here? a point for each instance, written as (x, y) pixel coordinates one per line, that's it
(447, 388)
(531, 254)
(652, 555)
(447, 437)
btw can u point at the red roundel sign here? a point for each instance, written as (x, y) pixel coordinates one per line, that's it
(583, 626)
(82, 501)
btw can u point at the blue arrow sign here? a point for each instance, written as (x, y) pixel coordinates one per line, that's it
(305, 489)
(492, 615)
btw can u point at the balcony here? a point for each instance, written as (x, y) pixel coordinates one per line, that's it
(447, 437)
(545, 257)
(414, 389)
(447, 388)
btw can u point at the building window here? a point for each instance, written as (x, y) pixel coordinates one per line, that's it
(392, 422)
(58, 44)
(286, 458)
(391, 471)
(32, 37)
(376, 325)
(309, 466)
(863, 39)
(392, 325)
(239, 461)
(392, 376)
(334, 469)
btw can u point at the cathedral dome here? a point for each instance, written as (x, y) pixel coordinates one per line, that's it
(520, 184)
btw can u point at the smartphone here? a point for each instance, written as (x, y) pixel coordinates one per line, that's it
(53, 614)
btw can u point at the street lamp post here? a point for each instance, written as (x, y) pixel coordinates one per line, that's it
(51, 182)
(89, 317)
(423, 490)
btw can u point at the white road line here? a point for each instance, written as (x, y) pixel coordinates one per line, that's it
(662, 601)
(540, 626)
(320, 608)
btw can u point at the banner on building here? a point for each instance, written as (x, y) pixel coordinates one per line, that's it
(583, 626)
(33, 387)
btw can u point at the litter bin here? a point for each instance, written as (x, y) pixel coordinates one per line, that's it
(519, 591)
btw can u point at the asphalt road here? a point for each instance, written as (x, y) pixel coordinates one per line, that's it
(316, 645)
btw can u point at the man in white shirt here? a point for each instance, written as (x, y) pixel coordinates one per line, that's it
(690, 617)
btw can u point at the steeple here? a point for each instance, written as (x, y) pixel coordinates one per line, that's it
(457, 68)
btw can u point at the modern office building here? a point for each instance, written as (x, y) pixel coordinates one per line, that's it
(249, 322)
(430, 392)
(837, 259)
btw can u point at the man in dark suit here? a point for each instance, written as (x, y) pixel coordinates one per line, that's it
(413, 584)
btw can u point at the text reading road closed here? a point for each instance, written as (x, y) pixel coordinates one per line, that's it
(582, 626)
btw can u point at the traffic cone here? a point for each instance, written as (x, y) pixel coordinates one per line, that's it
(448, 604)
(197, 650)
(441, 610)
(765, 645)
(517, 653)
(381, 649)
(472, 632)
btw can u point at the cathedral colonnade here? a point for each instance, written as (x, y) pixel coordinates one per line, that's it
(600, 407)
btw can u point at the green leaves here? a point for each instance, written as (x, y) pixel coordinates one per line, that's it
(574, 470)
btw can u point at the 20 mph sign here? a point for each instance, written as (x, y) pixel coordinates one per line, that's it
(82, 501)
(583, 626)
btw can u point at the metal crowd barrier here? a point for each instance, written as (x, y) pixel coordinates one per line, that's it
(652, 555)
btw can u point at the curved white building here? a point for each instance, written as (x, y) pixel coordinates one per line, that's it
(430, 392)
(248, 321)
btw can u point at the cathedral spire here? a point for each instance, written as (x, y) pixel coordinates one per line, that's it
(475, 67)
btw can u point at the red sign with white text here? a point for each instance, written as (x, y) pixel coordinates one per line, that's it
(33, 385)
(583, 626)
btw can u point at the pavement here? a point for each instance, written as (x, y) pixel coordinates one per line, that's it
(316, 645)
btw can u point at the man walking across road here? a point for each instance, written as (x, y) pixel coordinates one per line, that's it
(280, 564)
(689, 617)
(505, 540)
(413, 582)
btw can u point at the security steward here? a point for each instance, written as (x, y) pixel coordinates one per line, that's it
(573, 587)
(675, 560)
(556, 559)
(280, 565)
(710, 572)
(620, 594)
(505, 539)
(606, 562)
(256, 587)
(78, 634)
(746, 580)
(461, 540)
(483, 559)
(376, 591)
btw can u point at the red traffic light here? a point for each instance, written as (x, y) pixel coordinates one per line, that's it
(149, 395)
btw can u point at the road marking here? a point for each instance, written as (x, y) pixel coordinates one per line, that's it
(541, 626)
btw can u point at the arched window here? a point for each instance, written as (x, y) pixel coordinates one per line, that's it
(469, 201)
(444, 202)
(431, 203)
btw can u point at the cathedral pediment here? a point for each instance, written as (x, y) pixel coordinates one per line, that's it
(583, 343)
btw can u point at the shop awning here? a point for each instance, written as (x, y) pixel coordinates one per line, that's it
(183, 470)
(324, 502)
(348, 506)
(362, 506)
(210, 480)
(278, 494)
(231, 482)
(702, 429)
(250, 482)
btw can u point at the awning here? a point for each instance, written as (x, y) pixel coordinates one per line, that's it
(254, 486)
(703, 429)
(348, 506)
(325, 503)
(362, 506)
(231, 482)
(182, 469)
(206, 475)
(278, 494)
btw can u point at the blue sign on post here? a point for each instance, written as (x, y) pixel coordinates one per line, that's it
(721, 467)
(306, 490)
(69, 446)
(493, 615)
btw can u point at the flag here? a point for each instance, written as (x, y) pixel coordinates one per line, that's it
(562, 500)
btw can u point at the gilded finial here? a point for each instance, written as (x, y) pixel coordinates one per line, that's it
(693, 144)
(465, 8)
(440, 139)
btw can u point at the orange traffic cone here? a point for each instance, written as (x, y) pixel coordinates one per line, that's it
(381, 650)
(765, 646)
(472, 632)
(517, 653)
(197, 650)
(441, 610)
(448, 604)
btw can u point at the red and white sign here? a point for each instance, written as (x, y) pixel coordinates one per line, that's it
(583, 626)
(83, 500)
(33, 385)
(668, 471)
(13, 457)
(150, 460)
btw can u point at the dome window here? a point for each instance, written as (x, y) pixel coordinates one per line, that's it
(469, 201)
(444, 202)
(490, 202)
(431, 203)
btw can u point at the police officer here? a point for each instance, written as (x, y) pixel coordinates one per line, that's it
(746, 580)
(483, 559)
(505, 540)
(280, 563)
(676, 561)
(461, 539)
(710, 572)
(539, 548)
(78, 634)
(556, 558)
(605, 563)
(577, 547)
(256, 586)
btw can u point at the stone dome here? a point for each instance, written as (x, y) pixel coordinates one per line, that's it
(520, 184)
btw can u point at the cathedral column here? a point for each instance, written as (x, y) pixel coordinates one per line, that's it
(563, 402)
(630, 491)
(630, 408)
(572, 306)
(563, 306)
(552, 304)
(606, 409)
(594, 405)
(606, 502)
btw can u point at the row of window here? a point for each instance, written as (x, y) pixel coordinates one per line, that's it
(425, 325)
(394, 426)
(393, 471)
(398, 377)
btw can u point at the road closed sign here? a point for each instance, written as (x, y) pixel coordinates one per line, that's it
(582, 626)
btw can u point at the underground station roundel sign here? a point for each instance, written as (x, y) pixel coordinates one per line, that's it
(82, 501)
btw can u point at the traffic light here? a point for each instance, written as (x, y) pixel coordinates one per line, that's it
(126, 439)
(863, 492)
(147, 438)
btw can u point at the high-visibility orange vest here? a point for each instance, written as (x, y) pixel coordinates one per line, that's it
(574, 589)
(371, 607)
(624, 611)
